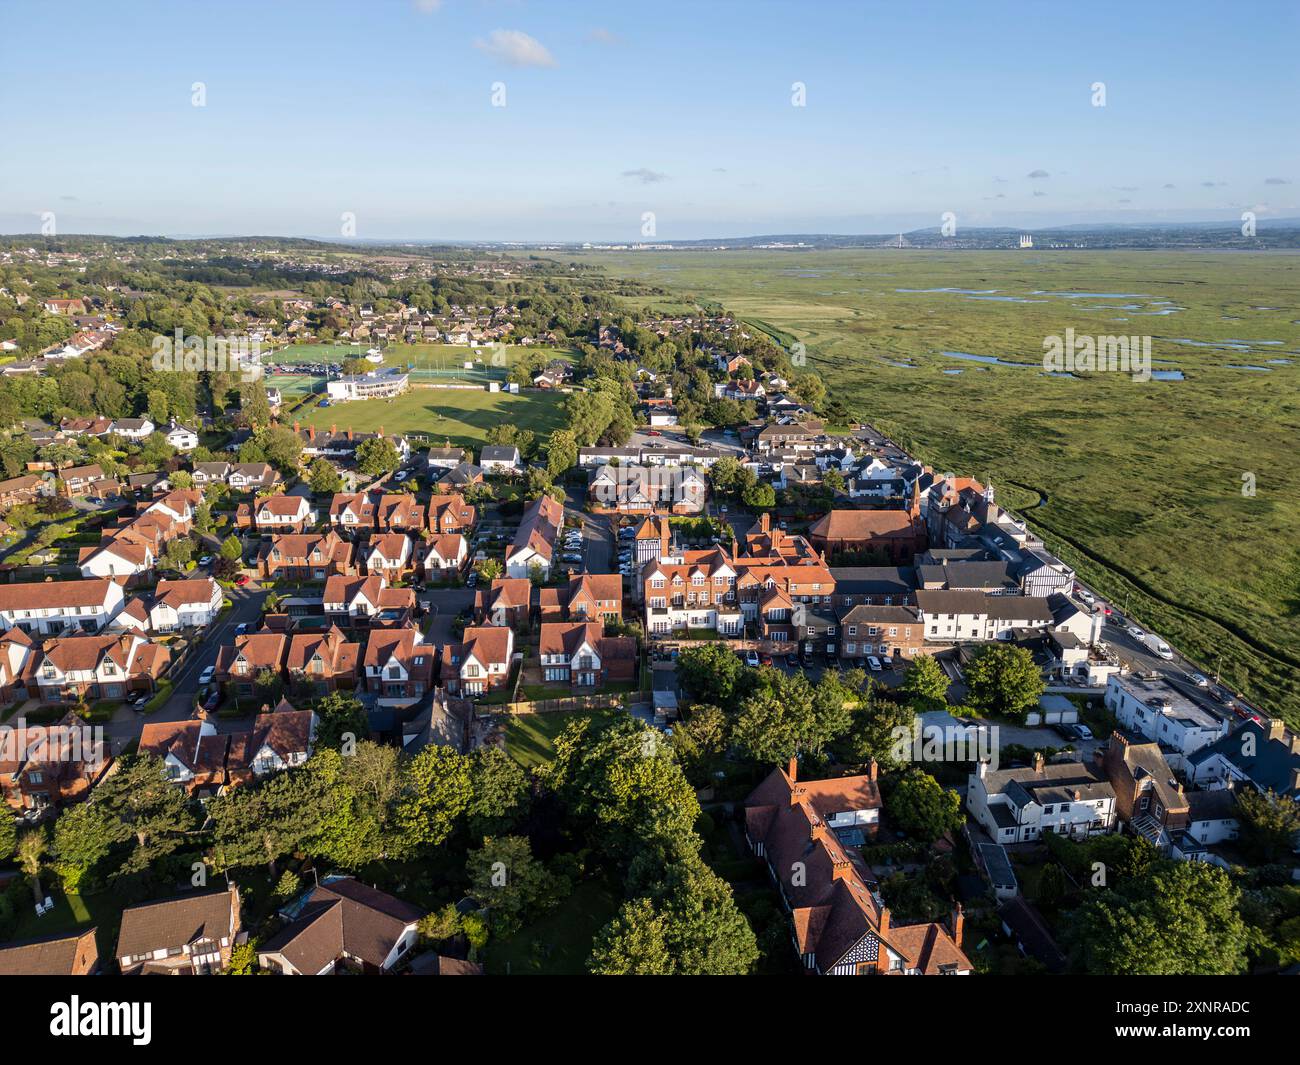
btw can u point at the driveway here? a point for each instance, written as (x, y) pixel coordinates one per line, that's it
(444, 604)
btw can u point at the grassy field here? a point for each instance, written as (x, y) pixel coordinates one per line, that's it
(462, 416)
(530, 738)
(558, 944)
(1142, 481)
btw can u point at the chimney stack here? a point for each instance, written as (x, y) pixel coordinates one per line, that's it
(873, 769)
(958, 921)
(1038, 762)
(792, 771)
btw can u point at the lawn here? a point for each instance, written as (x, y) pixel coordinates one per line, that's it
(462, 416)
(530, 738)
(560, 942)
(1139, 484)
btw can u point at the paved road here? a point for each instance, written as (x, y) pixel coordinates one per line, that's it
(444, 604)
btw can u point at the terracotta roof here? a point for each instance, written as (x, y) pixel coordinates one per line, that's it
(862, 525)
(53, 595)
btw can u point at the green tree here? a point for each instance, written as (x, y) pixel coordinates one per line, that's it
(8, 838)
(323, 477)
(514, 885)
(700, 742)
(925, 683)
(1270, 825)
(264, 822)
(437, 788)
(32, 846)
(634, 943)
(377, 455)
(340, 716)
(1003, 681)
(923, 808)
(786, 716)
(154, 812)
(1182, 921)
(231, 549)
(710, 671)
(84, 836)
(561, 452)
(499, 793)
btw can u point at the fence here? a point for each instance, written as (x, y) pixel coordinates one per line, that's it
(603, 701)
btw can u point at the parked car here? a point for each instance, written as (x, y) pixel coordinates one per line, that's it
(212, 700)
(1135, 632)
(751, 659)
(792, 660)
(472, 579)
(1070, 732)
(873, 663)
(241, 628)
(242, 579)
(206, 560)
(1085, 733)
(859, 663)
(887, 662)
(765, 660)
(206, 676)
(1200, 680)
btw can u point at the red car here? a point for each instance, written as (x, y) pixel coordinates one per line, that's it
(653, 432)
(242, 579)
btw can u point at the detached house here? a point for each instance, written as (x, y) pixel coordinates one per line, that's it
(534, 543)
(343, 925)
(507, 602)
(1153, 708)
(577, 653)
(480, 662)
(191, 604)
(359, 600)
(388, 555)
(450, 514)
(51, 766)
(594, 597)
(276, 514)
(322, 662)
(251, 655)
(1023, 805)
(398, 666)
(499, 459)
(444, 554)
(306, 557)
(190, 935)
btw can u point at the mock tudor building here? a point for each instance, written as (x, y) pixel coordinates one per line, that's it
(276, 514)
(807, 833)
(305, 557)
(89, 668)
(189, 935)
(190, 604)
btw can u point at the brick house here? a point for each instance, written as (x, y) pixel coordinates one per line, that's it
(322, 662)
(251, 654)
(579, 654)
(189, 935)
(480, 662)
(398, 665)
(305, 557)
(50, 766)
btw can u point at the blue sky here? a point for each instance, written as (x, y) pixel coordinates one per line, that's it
(384, 109)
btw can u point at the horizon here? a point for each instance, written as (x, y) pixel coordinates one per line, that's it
(474, 122)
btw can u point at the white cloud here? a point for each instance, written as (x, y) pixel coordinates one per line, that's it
(427, 6)
(645, 175)
(600, 35)
(516, 48)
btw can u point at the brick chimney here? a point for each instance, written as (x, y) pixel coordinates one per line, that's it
(295, 425)
(311, 432)
(236, 916)
(333, 429)
(873, 769)
(882, 933)
(958, 921)
(349, 432)
(792, 770)
(1038, 762)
